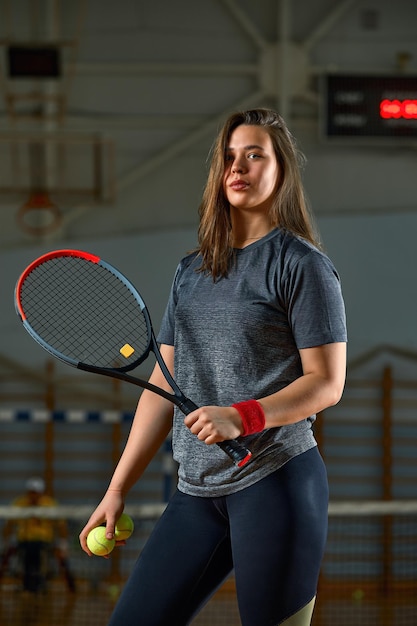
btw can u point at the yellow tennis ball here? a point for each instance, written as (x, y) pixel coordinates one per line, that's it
(98, 543)
(124, 527)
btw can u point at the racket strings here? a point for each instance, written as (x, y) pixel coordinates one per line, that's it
(86, 313)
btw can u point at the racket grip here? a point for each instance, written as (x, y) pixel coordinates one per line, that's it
(239, 454)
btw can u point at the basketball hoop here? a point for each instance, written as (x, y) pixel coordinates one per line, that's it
(45, 175)
(39, 215)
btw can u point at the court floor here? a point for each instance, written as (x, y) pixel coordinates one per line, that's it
(90, 606)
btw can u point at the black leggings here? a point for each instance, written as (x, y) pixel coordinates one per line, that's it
(272, 534)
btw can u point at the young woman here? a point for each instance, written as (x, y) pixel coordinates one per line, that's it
(255, 334)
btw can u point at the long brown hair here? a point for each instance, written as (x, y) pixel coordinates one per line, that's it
(289, 209)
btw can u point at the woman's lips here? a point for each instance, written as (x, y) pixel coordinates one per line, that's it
(238, 185)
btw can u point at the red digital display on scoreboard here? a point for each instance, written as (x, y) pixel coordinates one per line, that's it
(398, 109)
(371, 106)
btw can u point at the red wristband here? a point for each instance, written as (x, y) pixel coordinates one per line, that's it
(253, 416)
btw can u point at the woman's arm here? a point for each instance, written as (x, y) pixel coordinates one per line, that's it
(150, 427)
(320, 386)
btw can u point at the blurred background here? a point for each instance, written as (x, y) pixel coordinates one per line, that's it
(107, 114)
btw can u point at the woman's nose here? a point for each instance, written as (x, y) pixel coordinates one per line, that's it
(237, 166)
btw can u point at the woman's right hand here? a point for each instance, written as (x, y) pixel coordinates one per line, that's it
(108, 511)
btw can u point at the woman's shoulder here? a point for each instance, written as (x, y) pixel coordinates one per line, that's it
(291, 247)
(297, 245)
(295, 251)
(188, 261)
(187, 264)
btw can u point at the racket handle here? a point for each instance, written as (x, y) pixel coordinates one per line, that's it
(239, 454)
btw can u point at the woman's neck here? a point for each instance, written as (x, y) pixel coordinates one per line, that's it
(241, 243)
(244, 237)
(249, 226)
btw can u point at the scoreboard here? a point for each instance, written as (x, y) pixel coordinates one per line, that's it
(370, 106)
(34, 61)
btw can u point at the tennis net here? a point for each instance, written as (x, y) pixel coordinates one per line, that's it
(369, 573)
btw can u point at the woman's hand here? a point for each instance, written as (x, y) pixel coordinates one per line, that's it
(212, 424)
(108, 511)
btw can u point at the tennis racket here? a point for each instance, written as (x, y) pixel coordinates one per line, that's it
(86, 313)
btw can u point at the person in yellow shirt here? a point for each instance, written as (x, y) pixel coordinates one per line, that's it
(36, 538)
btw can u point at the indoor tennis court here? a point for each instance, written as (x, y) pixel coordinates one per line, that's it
(108, 112)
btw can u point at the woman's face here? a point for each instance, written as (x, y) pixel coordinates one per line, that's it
(251, 169)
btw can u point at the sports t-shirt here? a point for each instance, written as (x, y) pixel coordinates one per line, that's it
(239, 338)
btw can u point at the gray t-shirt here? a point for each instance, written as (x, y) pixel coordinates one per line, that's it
(239, 338)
